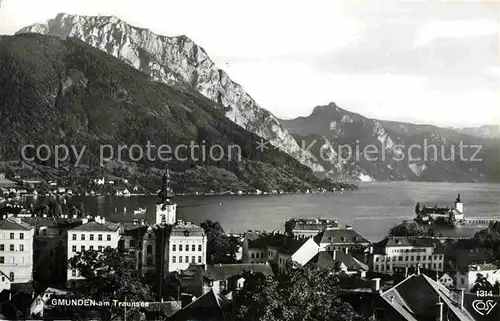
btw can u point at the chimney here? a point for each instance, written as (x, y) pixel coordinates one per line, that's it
(103, 220)
(346, 250)
(376, 285)
(334, 255)
(462, 294)
(85, 221)
(440, 311)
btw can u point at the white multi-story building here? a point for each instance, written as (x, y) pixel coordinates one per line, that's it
(16, 249)
(93, 235)
(394, 254)
(187, 244)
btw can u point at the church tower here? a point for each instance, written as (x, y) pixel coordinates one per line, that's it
(165, 208)
(459, 205)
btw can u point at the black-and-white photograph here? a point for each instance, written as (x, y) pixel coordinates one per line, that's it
(252, 160)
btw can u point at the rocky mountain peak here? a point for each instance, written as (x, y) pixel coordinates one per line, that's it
(176, 61)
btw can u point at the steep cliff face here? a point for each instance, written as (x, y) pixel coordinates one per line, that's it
(176, 61)
(350, 146)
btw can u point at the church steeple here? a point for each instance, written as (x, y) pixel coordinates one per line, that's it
(166, 192)
(165, 208)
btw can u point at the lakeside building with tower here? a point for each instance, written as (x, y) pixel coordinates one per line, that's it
(445, 215)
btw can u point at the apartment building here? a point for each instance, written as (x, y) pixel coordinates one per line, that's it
(16, 249)
(187, 244)
(394, 254)
(94, 235)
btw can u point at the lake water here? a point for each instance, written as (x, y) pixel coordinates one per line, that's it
(372, 210)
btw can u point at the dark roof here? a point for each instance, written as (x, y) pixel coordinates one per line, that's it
(187, 230)
(12, 223)
(409, 241)
(99, 227)
(416, 297)
(168, 308)
(340, 236)
(208, 307)
(49, 222)
(324, 259)
(226, 271)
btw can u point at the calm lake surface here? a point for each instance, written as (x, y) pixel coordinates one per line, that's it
(372, 210)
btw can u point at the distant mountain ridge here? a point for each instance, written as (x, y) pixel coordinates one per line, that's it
(485, 131)
(330, 129)
(176, 61)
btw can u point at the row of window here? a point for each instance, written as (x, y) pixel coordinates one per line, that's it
(12, 260)
(257, 255)
(91, 247)
(409, 250)
(193, 247)
(11, 247)
(424, 266)
(91, 236)
(12, 236)
(75, 273)
(410, 258)
(193, 259)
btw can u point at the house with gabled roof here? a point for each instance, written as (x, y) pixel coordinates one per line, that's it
(341, 239)
(341, 261)
(419, 298)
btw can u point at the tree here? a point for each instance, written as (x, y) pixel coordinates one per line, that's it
(410, 229)
(308, 293)
(109, 277)
(221, 248)
(481, 284)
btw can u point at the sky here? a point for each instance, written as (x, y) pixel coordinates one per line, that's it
(424, 62)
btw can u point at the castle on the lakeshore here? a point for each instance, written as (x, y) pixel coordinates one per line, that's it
(450, 215)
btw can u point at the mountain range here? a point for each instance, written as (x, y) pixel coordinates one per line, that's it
(63, 91)
(313, 141)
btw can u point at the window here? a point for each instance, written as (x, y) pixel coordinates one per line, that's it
(193, 259)
(180, 259)
(11, 275)
(430, 257)
(73, 248)
(199, 247)
(2, 259)
(199, 259)
(180, 247)
(91, 237)
(412, 258)
(91, 248)
(2, 247)
(149, 249)
(187, 259)
(108, 237)
(400, 258)
(82, 237)
(21, 236)
(82, 247)
(440, 265)
(406, 258)
(21, 247)
(193, 247)
(73, 272)
(74, 237)
(132, 243)
(174, 247)
(253, 255)
(3, 278)
(99, 248)
(174, 259)
(99, 237)
(418, 258)
(462, 280)
(376, 259)
(11, 236)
